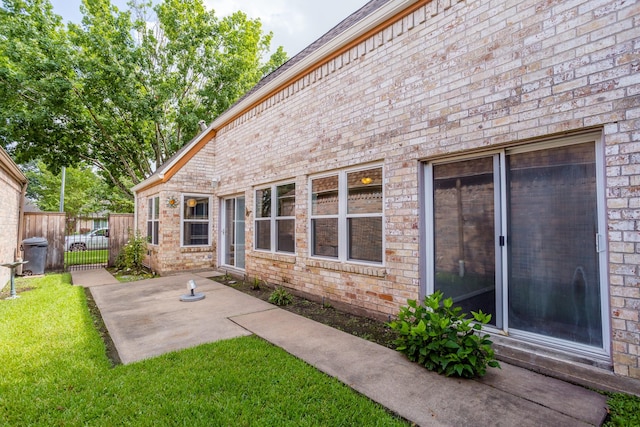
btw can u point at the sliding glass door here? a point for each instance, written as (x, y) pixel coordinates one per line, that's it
(554, 277)
(232, 239)
(464, 216)
(515, 234)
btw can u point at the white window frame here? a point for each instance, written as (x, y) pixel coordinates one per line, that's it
(153, 218)
(183, 221)
(272, 219)
(343, 216)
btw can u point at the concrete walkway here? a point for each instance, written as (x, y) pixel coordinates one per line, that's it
(147, 318)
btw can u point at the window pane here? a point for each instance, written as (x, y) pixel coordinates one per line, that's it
(286, 235)
(464, 236)
(263, 203)
(156, 232)
(325, 237)
(554, 287)
(263, 234)
(365, 191)
(230, 232)
(324, 196)
(150, 209)
(286, 200)
(156, 207)
(239, 233)
(196, 207)
(195, 233)
(150, 232)
(365, 239)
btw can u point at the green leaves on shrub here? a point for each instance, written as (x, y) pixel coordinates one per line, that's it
(280, 296)
(131, 257)
(441, 338)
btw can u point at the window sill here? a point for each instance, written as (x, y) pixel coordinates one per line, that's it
(275, 256)
(191, 249)
(365, 270)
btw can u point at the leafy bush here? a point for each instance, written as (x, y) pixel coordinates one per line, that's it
(132, 255)
(441, 338)
(280, 296)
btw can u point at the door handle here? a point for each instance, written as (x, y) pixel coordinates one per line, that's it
(601, 244)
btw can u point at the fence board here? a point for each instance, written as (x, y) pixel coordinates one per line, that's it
(120, 229)
(51, 226)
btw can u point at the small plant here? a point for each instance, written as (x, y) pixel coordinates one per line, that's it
(256, 284)
(326, 304)
(441, 338)
(280, 296)
(131, 257)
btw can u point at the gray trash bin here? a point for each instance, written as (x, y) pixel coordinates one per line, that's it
(35, 251)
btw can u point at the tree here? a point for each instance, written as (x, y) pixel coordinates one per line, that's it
(123, 91)
(85, 192)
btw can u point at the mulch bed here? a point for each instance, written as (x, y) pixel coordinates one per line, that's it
(363, 327)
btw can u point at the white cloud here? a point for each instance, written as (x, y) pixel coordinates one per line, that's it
(295, 23)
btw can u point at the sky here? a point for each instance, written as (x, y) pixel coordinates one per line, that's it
(295, 23)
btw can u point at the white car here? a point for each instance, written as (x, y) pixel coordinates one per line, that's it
(95, 239)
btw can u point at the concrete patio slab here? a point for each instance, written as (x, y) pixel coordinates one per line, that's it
(93, 277)
(147, 318)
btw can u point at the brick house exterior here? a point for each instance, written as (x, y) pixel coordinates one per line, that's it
(489, 149)
(13, 185)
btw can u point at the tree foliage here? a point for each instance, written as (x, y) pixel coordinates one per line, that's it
(123, 90)
(85, 192)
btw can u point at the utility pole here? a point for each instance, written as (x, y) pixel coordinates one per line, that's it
(64, 175)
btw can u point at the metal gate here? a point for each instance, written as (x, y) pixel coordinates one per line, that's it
(94, 240)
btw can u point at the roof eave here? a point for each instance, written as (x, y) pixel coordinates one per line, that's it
(149, 182)
(11, 167)
(168, 168)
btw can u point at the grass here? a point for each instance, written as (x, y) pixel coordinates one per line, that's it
(624, 410)
(86, 257)
(54, 371)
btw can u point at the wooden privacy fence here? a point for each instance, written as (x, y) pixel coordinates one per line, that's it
(120, 229)
(51, 226)
(55, 226)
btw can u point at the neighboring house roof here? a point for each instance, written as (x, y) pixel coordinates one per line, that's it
(343, 36)
(29, 206)
(8, 165)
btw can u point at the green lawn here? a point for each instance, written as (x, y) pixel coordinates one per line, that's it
(86, 257)
(54, 371)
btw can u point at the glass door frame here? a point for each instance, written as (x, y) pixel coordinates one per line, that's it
(223, 234)
(501, 223)
(430, 268)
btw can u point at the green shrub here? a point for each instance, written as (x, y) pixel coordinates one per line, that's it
(441, 338)
(280, 296)
(131, 257)
(256, 284)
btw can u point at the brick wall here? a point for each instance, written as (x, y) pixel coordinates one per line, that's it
(9, 220)
(168, 256)
(451, 77)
